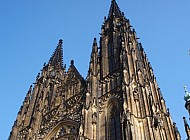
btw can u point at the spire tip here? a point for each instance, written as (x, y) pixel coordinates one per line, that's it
(72, 62)
(60, 41)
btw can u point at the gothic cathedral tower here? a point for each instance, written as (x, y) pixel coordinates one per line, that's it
(119, 99)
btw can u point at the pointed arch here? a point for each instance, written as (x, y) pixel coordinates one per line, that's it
(64, 130)
(114, 124)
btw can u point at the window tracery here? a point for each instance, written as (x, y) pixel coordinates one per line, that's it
(114, 121)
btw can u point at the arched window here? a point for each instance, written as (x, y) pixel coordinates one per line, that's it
(114, 124)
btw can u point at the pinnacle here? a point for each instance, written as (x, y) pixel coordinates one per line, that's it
(61, 41)
(114, 10)
(95, 42)
(57, 57)
(72, 62)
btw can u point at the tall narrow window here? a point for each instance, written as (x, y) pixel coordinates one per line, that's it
(115, 126)
(111, 57)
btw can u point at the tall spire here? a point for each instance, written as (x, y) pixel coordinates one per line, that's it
(114, 10)
(57, 57)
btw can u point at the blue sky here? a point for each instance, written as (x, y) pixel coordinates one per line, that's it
(30, 30)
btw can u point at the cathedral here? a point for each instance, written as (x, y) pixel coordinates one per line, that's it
(118, 100)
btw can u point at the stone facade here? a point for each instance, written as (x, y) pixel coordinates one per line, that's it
(119, 99)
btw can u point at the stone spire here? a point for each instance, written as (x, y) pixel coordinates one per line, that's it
(94, 46)
(56, 59)
(114, 10)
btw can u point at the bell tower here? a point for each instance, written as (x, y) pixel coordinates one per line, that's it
(111, 75)
(123, 99)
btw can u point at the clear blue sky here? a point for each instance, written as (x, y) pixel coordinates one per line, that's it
(30, 30)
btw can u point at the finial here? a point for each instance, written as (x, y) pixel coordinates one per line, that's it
(187, 94)
(104, 18)
(185, 87)
(61, 41)
(38, 76)
(168, 111)
(185, 121)
(72, 62)
(95, 42)
(30, 89)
